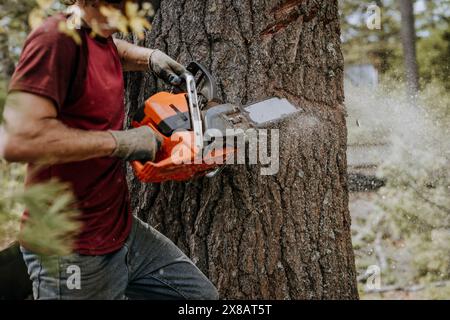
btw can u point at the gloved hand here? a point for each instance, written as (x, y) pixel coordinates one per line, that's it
(166, 68)
(136, 144)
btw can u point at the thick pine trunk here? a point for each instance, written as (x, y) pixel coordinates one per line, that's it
(285, 236)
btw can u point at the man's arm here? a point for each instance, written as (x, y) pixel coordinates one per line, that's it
(135, 58)
(33, 134)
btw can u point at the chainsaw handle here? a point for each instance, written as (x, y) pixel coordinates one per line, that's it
(194, 109)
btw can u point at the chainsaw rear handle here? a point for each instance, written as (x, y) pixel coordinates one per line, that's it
(194, 109)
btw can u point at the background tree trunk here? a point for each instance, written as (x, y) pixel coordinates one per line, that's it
(408, 34)
(285, 236)
(6, 63)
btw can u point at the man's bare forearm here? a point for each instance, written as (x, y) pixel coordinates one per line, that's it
(55, 143)
(32, 133)
(134, 58)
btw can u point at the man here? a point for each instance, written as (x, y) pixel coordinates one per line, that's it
(65, 109)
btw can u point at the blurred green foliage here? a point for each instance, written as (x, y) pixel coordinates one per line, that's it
(2, 98)
(361, 45)
(13, 30)
(52, 223)
(11, 184)
(433, 53)
(416, 199)
(404, 228)
(383, 48)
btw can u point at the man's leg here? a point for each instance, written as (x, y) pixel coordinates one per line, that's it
(160, 270)
(78, 277)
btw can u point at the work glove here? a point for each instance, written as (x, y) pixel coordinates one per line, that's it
(166, 68)
(137, 144)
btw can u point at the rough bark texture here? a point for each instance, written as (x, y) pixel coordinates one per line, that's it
(408, 32)
(285, 236)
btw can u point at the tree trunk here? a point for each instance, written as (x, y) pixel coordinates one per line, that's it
(408, 34)
(285, 236)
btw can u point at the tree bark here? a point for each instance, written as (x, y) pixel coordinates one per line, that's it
(285, 236)
(408, 34)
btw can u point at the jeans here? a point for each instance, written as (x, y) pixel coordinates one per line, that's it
(148, 266)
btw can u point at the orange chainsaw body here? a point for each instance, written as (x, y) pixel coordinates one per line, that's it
(179, 159)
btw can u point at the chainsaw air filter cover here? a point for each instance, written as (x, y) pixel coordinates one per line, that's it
(167, 112)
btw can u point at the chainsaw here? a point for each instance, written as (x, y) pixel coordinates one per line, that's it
(190, 118)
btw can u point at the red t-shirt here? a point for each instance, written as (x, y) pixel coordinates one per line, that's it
(85, 82)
